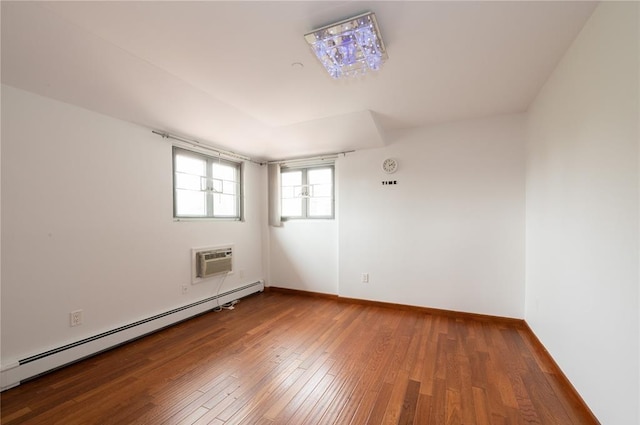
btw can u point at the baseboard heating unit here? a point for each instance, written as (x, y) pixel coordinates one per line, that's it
(13, 374)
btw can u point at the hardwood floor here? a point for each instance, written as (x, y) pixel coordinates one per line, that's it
(282, 358)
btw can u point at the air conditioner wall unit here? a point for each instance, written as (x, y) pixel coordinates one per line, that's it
(213, 262)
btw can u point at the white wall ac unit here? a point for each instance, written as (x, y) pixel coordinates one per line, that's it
(213, 262)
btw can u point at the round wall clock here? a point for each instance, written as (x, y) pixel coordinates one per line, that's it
(389, 165)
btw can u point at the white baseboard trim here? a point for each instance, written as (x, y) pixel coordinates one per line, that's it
(13, 374)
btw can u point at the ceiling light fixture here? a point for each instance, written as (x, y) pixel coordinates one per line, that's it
(349, 47)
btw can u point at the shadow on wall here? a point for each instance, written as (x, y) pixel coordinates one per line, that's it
(304, 256)
(285, 271)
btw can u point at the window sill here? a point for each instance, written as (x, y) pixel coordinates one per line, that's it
(178, 219)
(306, 220)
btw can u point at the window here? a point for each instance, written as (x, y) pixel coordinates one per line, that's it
(307, 192)
(205, 186)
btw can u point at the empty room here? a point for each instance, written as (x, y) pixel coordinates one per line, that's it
(319, 212)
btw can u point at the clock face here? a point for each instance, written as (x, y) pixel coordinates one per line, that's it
(389, 165)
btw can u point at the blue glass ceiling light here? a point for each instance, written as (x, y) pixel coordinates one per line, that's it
(349, 47)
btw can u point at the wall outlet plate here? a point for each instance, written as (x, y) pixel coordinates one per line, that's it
(75, 318)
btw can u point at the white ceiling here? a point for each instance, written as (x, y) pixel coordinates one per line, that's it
(221, 72)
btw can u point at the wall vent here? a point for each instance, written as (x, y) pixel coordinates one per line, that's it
(213, 262)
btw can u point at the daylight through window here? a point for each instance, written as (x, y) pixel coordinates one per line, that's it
(205, 186)
(307, 192)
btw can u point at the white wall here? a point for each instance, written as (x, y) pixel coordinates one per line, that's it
(450, 234)
(582, 214)
(304, 256)
(87, 224)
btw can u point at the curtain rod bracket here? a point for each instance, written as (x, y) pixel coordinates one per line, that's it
(198, 144)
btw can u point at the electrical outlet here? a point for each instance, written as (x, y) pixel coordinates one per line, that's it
(365, 277)
(75, 318)
(185, 289)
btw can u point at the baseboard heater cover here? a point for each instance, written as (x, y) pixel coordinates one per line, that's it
(32, 366)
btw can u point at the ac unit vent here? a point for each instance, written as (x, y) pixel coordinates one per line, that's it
(210, 263)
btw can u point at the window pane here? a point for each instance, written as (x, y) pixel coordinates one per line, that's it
(307, 193)
(191, 203)
(321, 190)
(292, 207)
(320, 207)
(215, 185)
(188, 181)
(226, 186)
(229, 187)
(223, 171)
(291, 187)
(300, 191)
(291, 178)
(224, 205)
(206, 186)
(287, 192)
(320, 176)
(321, 180)
(190, 165)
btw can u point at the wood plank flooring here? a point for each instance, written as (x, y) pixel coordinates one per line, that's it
(282, 358)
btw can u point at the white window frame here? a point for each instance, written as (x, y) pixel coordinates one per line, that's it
(306, 199)
(211, 214)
